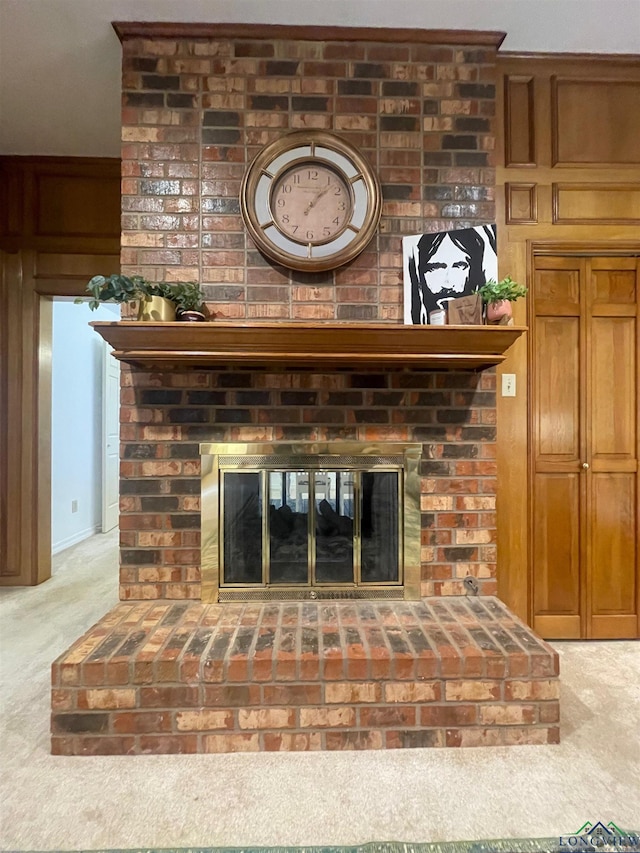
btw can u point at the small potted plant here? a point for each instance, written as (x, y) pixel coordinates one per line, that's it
(498, 296)
(151, 299)
(188, 298)
(156, 301)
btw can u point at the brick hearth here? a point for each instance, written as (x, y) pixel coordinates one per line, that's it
(166, 677)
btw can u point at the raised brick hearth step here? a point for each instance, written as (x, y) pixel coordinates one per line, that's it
(167, 677)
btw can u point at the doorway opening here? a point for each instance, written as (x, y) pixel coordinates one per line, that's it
(84, 424)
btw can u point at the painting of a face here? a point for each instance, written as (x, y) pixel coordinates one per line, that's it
(447, 269)
(443, 265)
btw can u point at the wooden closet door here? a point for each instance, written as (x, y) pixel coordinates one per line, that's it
(612, 478)
(584, 438)
(559, 446)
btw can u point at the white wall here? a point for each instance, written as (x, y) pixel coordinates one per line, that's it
(76, 423)
(61, 58)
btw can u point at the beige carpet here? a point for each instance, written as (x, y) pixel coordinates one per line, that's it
(64, 803)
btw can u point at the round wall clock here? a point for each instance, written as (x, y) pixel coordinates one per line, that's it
(311, 201)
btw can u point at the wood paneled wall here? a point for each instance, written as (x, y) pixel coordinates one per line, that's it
(568, 181)
(59, 225)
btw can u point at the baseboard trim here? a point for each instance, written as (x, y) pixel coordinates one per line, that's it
(57, 547)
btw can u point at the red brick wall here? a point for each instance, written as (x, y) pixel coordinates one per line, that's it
(166, 415)
(195, 112)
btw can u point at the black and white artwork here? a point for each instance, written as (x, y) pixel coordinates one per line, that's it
(443, 266)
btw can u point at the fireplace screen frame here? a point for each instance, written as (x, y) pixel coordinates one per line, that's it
(220, 457)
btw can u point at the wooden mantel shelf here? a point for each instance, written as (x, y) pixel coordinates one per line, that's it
(319, 345)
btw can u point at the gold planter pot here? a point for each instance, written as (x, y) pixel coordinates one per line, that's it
(157, 309)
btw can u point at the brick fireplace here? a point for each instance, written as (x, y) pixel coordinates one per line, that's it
(165, 672)
(196, 110)
(166, 415)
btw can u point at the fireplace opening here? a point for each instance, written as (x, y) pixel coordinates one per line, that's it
(310, 521)
(319, 527)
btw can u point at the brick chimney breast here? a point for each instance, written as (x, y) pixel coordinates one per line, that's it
(197, 106)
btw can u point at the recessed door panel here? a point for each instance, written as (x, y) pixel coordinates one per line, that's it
(557, 287)
(556, 551)
(614, 538)
(613, 397)
(587, 121)
(614, 286)
(557, 391)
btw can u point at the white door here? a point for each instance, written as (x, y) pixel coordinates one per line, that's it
(110, 439)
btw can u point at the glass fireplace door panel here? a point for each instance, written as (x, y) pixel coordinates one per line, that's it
(242, 527)
(334, 526)
(288, 527)
(380, 554)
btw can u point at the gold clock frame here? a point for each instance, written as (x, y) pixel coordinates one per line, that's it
(313, 147)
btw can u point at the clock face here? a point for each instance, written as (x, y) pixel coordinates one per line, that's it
(311, 201)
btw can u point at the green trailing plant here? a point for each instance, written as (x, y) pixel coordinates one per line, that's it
(119, 288)
(499, 291)
(186, 295)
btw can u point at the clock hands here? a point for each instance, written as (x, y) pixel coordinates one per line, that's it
(316, 198)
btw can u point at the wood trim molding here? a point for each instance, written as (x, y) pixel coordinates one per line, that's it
(589, 59)
(309, 345)
(163, 29)
(10, 509)
(45, 251)
(586, 248)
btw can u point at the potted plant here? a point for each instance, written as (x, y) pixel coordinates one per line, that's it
(156, 301)
(498, 296)
(188, 299)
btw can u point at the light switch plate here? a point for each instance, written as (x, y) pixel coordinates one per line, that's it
(508, 385)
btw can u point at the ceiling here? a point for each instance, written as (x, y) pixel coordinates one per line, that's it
(60, 59)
